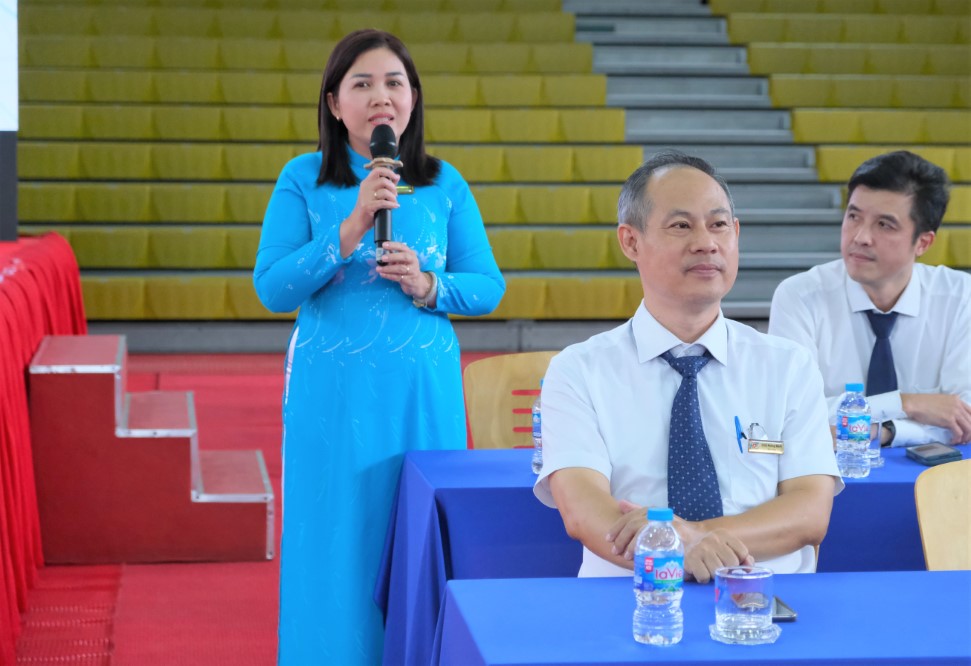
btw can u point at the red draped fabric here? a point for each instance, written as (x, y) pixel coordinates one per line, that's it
(40, 294)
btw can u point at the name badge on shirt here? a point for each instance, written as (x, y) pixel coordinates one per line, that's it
(758, 441)
(766, 446)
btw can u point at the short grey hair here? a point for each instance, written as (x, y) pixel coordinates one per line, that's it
(633, 208)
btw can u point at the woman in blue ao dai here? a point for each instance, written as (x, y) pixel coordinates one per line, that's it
(373, 362)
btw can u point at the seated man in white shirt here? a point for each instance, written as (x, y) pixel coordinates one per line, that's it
(611, 447)
(919, 385)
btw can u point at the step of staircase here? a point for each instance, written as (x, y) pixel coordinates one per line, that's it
(666, 59)
(688, 91)
(707, 126)
(620, 29)
(748, 163)
(120, 477)
(637, 7)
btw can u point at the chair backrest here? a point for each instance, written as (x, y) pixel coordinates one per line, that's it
(943, 497)
(499, 395)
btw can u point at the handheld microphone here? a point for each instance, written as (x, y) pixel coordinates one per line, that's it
(384, 146)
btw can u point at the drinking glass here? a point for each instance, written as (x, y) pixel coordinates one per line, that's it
(743, 606)
(873, 452)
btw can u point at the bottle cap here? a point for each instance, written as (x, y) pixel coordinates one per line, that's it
(854, 388)
(660, 514)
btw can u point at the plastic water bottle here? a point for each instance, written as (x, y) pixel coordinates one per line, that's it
(658, 580)
(853, 433)
(538, 433)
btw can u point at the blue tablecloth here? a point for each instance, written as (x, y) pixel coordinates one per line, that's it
(472, 514)
(912, 617)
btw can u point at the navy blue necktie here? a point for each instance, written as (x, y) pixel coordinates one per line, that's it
(692, 482)
(881, 376)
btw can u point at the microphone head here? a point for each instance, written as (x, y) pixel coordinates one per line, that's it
(383, 142)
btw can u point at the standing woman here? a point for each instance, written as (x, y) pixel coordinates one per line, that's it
(373, 363)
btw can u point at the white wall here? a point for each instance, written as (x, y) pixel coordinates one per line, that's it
(8, 66)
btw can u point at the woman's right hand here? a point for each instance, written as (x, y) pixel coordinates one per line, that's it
(378, 191)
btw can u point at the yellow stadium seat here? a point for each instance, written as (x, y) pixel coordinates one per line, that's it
(557, 205)
(308, 25)
(451, 90)
(605, 163)
(592, 125)
(564, 58)
(836, 164)
(117, 122)
(55, 51)
(187, 203)
(118, 297)
(814, 126)
(358, 20)
(490, 28)
(861, 28)
(837, 59)
(575, 90)
(573, 249)
(604, 202)
(952, 7)
(530, 125)
(745, 28)
(197, 296)
(111, 246)
(499, 58)
(793, 90)
(242, 303)
(39, 85)
(498, 205)
(191, 53)
(862, 91)
(959, 208)
(120, 86)
(537, 27)
(311, 55)
(113, 202)
(525, 298)
(511, 90)
(116, 161)
(590, 298)
(768, 58)
(241, 246)
(193, 87)
(125, 52)
(937, 253)
(513, 248)
(257, 162)
(124, 21)
(259, 123)
(188, 247)
(46, 202)
(892, 126)
(48, 160)
(187, 161)
(948, 126)
(949, 60)
(539, 164)
(459, 126)
(303, 88)
(187, 22)
(45, 121)
(188, 123)
(962, 165)
(904, 6)
(38, 20)
(931, 91)
(813, 28)
(247, 24)
(959, 248)
(932, 30)
(427, 27)
(477, 164)
(443, 58)
(268, 54)
(246, 203)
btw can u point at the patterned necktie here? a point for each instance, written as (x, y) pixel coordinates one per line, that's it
(882, 376)
(692, 482)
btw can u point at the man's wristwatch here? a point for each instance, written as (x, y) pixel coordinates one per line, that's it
(423, 302)
(892, 429)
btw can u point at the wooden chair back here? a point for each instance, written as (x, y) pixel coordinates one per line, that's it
(943, 497)
(499, 395)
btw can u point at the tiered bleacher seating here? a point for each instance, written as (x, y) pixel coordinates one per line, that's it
(152, 134)
(867, 76)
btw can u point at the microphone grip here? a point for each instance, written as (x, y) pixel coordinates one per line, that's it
(382, 231)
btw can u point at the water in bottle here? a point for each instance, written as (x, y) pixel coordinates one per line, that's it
(658, 579)
(853, 433)
(538, 433)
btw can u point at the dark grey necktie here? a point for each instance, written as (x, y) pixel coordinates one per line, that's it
(881, 377)
(693, 490)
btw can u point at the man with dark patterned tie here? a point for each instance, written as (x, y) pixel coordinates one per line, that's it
(681, 407)
(879, 317)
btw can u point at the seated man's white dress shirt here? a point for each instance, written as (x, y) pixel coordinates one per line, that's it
(607, 403)
(825, 310)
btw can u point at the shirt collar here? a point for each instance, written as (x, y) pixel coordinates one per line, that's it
(908, 304)
(652, 339)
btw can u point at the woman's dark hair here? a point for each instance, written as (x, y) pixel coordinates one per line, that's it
(419, 168)
(906, 173)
